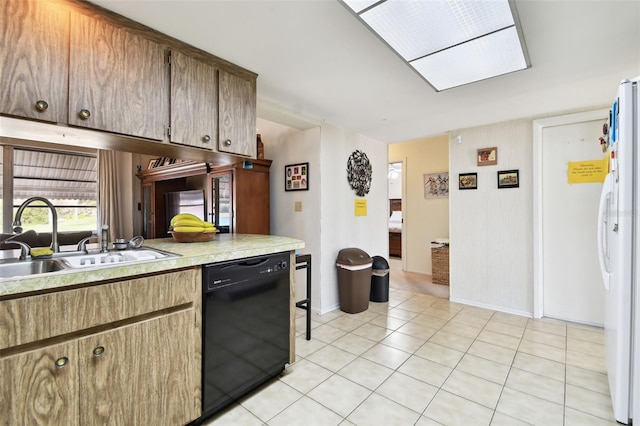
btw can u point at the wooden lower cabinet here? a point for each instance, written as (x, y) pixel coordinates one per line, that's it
(139, 378)
(135, 371)
(34, 391)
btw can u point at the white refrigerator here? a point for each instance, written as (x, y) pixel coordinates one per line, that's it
(619, 253)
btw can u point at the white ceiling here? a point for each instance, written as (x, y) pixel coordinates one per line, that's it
(315, 59)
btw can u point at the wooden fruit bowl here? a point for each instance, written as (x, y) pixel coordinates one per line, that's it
(192, 237)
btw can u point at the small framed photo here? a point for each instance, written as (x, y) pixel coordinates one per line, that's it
(488, 156)
(468, 181)
(509, 179)
(296, 177)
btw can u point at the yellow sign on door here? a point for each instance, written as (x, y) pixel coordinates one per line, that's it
(361, 207)
(593, 171)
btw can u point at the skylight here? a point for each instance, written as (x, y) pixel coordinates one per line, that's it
(448, 42)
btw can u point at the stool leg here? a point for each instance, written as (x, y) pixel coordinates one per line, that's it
(304, 261)
(309, 299)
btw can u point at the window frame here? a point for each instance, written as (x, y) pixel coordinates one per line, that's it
(8, 176)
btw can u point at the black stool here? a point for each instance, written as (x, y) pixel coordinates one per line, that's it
(303, 261)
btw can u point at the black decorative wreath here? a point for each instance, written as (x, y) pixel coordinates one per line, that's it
(359, 172)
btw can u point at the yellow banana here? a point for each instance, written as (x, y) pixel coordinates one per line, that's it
(188, 229)
(184, 216)
(189, 222)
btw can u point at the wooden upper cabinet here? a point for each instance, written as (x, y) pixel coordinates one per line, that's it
(116, 80)
(237, 114)
(34, 57)
(193, 102)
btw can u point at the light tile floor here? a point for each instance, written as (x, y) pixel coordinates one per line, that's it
(422, 360)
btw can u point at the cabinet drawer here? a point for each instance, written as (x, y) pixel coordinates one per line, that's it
(40, 317)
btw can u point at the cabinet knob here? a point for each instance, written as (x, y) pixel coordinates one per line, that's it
(84, 114)
(98, 351)
(62, 362)
(206, 138)
(41, 105)
(227, 142)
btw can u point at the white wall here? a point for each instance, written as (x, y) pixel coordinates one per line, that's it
(340, 228)
(491, 252)
(327, 222)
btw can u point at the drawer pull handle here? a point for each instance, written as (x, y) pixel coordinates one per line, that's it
(227, 142)
(206, 138)
(62, 362)
(42, 105)
(84, 114)
(98, 351)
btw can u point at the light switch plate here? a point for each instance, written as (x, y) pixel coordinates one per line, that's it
(298, 206)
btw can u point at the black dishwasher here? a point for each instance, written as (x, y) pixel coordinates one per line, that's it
(245, 327)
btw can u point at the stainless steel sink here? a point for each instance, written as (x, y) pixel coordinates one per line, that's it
(111, 258)
(29, 267)
(80, 260)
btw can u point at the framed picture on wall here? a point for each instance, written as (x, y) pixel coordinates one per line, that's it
(296, 177)
(508, 179)
(468, 181)
(488, 156)
(436, 185)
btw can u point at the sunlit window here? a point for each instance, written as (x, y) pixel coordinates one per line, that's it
(67, 180)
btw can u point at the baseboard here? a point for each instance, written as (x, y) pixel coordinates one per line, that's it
(492, 307)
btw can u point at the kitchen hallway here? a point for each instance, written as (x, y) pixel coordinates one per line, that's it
(422, 360)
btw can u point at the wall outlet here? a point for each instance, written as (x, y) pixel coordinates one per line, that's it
(298, 206)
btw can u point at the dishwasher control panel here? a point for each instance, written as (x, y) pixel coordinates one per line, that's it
(221, 274)
(277, 267)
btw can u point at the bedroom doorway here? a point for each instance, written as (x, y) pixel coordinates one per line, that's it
(395, 182)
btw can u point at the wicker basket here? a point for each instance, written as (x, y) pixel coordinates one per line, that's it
(440, 265)
(192, 237)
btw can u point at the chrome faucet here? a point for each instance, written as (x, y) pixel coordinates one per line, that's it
(82, 244)
(25, 250)
(104, 239)
(17, 225)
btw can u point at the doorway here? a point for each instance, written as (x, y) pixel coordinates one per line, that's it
(567, 281)
(395, 214)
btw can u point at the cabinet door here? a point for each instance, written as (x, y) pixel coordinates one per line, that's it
(39, 387)
(252, 198)
(34, 53)
(141, 374)
(116, 80)
(193, 102)
(237, 115)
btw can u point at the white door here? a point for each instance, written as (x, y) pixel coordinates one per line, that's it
(571, 278)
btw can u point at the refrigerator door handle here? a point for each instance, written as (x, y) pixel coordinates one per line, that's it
(603, 231)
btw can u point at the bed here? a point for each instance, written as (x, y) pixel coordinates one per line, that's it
(395, 227)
